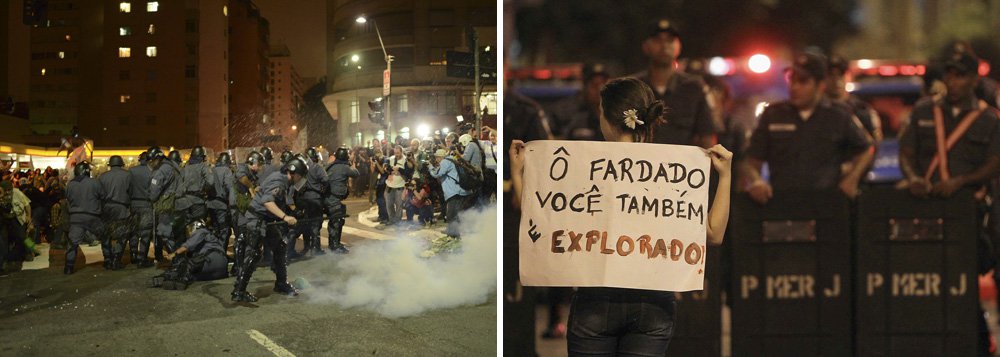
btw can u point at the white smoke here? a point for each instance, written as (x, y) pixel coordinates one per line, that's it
(390, 277)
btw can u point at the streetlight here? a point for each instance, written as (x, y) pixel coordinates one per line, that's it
(388, 69)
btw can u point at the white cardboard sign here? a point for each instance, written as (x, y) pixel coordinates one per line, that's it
(608, 214)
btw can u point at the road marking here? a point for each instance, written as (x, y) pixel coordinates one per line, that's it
(366, 234)
(268, 344)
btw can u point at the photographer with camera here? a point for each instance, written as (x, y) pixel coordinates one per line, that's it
(456, 200)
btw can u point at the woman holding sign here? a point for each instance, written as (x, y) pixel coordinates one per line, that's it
(618, 321)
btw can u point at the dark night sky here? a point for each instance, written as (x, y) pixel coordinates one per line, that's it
(303, 28)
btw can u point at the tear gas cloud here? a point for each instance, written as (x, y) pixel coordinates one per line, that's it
(391, 278)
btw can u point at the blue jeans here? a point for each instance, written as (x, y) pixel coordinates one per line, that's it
(620, 322)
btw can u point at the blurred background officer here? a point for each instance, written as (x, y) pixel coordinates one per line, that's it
(690, 117)
(806, 139)
(224, 199)
(84, 196)
(836, 90)
(142, 213)
(578, 117)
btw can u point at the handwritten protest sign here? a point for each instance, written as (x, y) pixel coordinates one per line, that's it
(625, 215)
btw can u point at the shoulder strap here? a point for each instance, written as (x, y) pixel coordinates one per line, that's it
(944, 145)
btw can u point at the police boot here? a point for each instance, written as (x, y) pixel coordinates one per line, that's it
(314, 243)
(335, 245)
(281, 284)
(247, 266)
(178, 277)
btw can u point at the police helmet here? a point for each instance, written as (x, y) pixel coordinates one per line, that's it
(341, 153)
(304, 159)
(224, 158)
(155, 153)
(295, 166)
(116, 161)
(255, 158)
(194, 226)
(144, 156)
(267, 154)
(175, 156)
(285, 156)
(313, 154)
(82, 169)
(198, 151)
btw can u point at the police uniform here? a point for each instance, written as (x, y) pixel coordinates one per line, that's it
(142, 214)
(806, 153)
(690, 115)
(337, 174)
(84, 196)
(310, 205)
(239, 213)
(197, 179)
(220, 204)
(523, 120)
(116, 184)
(206, 257)
(166, 182)
(577, 119)
(264, 228)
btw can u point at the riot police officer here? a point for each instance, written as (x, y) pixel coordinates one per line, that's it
(309, 203)
(198, 184)
(175, 156)
(285, 156)
(116, 184)
(84, 196)
(164, 189)
(337, 174)
(142, 213)
(224, 199)
(201, 257)
(246, 188)
(267, 224)
(268, 168)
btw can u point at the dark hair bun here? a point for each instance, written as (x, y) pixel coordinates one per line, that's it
(655, 113)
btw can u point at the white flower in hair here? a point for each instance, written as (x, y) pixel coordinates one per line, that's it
(631, 118)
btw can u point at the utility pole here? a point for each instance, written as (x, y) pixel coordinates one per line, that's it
(478, 91)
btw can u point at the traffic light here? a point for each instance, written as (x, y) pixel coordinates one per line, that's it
(377, 113)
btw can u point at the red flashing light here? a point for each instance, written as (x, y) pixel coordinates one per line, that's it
(542, 74)
(984, 68)
(564, 73)
(888, 71)
(921, 69)
(907, 70)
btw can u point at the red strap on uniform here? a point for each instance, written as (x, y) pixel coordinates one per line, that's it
(943, 146)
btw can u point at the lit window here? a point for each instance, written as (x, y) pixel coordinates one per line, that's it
(152, 29)
(124, 31)
(62, 54)
(124, 52)
(151, 51)
(68, 37)
(124, 98)
(152, 6)
(225, 10)
(125, 7)
(43, 71)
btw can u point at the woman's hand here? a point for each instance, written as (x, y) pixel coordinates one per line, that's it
(722, 159)
(516, 157)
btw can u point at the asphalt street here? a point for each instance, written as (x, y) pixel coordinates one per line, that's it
(97, 312)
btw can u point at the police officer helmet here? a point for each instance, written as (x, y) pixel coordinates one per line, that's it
(295, 166)
(255, 158)
(224, 158)
(285, 156)
(303, 158)
(116, 161)
(175, 156)
(144, 156)
(82, 169)
(341, 154)
(198, 151)
(313, 154)
(193, 226)
(267, 154)
(155, 153)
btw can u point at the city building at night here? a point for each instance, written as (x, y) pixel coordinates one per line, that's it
(417, 35)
